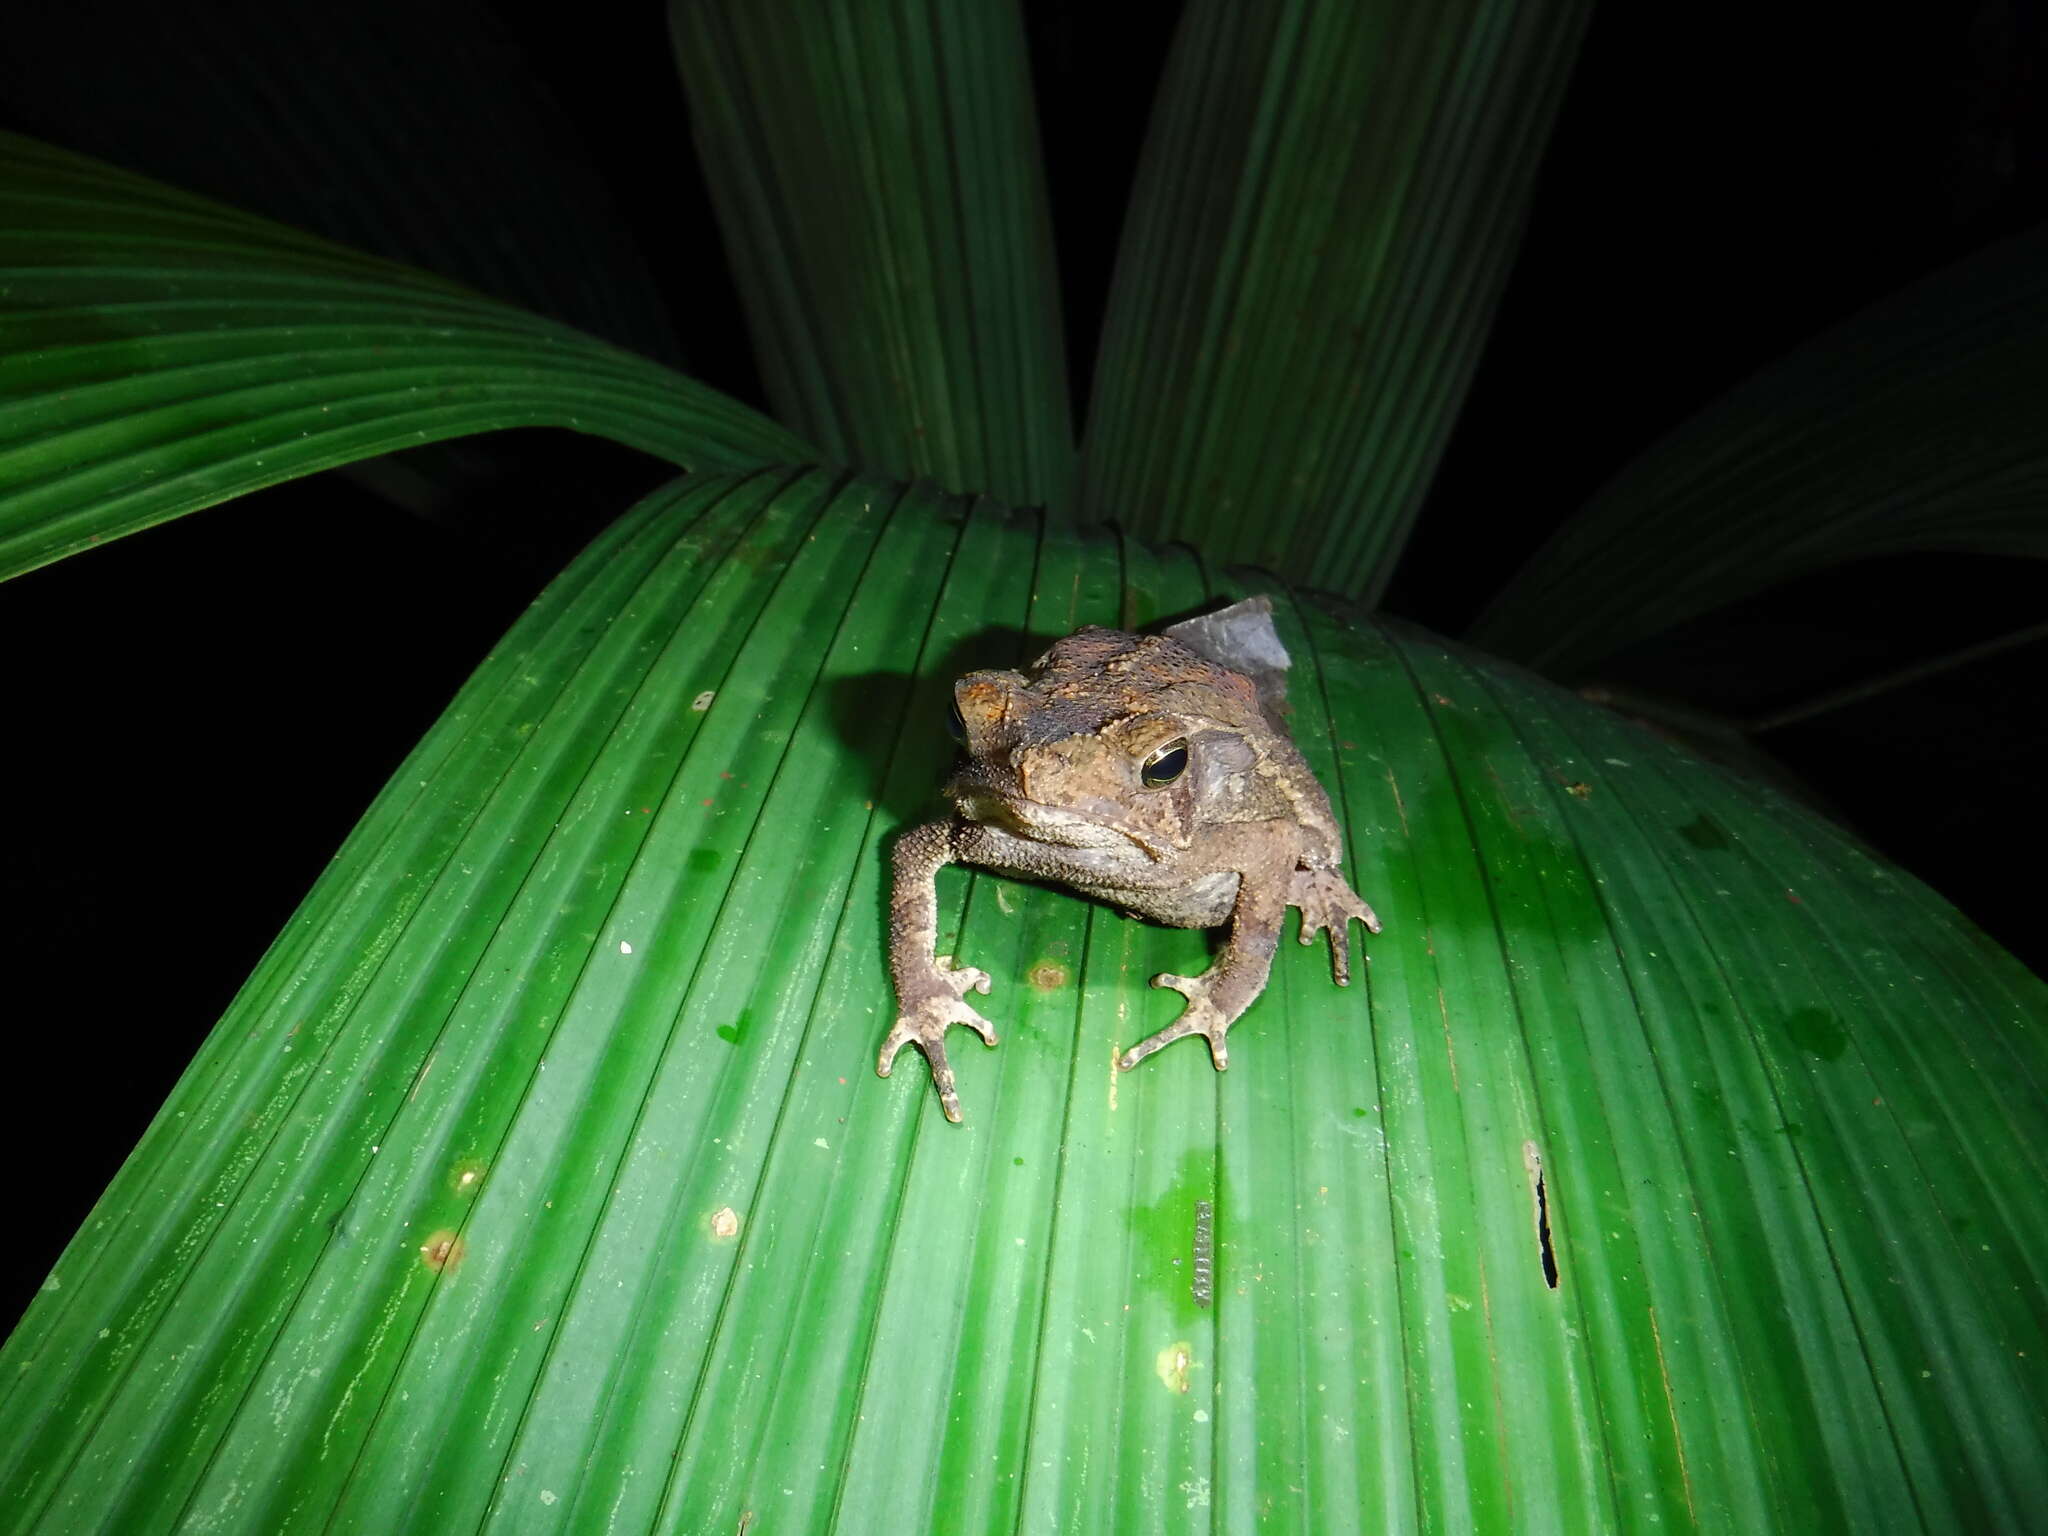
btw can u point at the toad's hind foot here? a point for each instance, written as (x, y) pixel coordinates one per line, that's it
(1202, 1018)
(1327, 906)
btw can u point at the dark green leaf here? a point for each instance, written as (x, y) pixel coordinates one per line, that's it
(1328, 205)
(1914, 425)
(159, 353)
(539, 1178)
(877, 178)
(412, 129)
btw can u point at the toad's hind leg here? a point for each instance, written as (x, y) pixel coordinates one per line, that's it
(1218, 996)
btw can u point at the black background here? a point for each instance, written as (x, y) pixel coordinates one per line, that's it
(196, 715)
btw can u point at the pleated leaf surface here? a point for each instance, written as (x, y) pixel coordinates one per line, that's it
(160, 353)
(1916, 424)
(1671, 1164)
(1328, 203)
(411, 129)
(878, 182)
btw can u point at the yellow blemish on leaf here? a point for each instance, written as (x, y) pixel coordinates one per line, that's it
(1173, 1363)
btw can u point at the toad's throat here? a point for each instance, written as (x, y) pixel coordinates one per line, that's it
(1038, 823)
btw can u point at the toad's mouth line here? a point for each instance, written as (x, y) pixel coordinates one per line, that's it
(1034, 822)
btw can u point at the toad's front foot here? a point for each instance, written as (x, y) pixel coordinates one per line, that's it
(1327, 906)
(1202, 1018)
(927, 1010)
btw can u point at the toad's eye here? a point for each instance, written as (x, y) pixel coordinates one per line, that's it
(956, 723)
(1165, 765)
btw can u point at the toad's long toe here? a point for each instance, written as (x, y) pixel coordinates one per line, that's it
(1202, 1017)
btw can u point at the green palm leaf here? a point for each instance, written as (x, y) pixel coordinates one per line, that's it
(160, 353)
(1913, 425)
(539, 1177)
(1330, 199)
(878, 183)
(418, 132)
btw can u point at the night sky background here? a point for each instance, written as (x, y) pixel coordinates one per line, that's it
(197, 715)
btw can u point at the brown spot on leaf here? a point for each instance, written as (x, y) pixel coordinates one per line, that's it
(443, 1250)
(1047, 975)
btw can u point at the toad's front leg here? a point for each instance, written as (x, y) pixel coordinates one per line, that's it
(930, 994)
(1220, 994)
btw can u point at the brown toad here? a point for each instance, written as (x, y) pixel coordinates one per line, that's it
(1148, 771)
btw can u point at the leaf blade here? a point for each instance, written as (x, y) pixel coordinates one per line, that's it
(164, 354)
(692, 1273)
(878, 184)
(1909, 426)
(422, 135)
(1327, 207)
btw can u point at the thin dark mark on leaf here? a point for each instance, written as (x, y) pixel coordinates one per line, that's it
(1533, 1161)
(1204, 1266)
